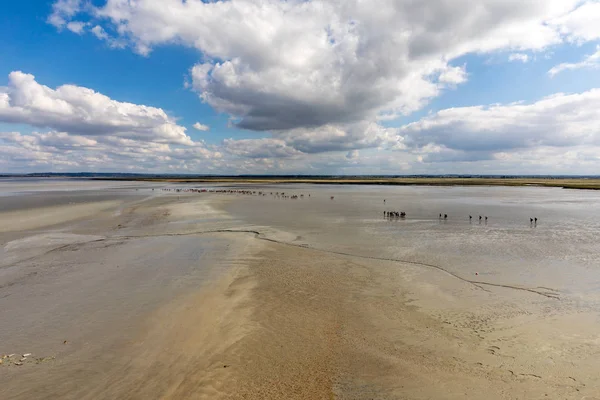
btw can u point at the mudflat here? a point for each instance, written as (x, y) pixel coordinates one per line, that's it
(564, 182)
(148, 293)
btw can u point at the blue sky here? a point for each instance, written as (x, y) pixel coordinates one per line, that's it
(35, 47)
(278, 97)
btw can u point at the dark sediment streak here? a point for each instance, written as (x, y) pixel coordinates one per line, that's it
(549, 293)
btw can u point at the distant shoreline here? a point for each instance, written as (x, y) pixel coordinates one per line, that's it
(565, 183)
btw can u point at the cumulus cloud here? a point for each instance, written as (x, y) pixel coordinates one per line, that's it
(590, 61)
(303, 144)
(112, 42)
(580, 25)
(558, 121)
(90, 131)
(524, 58)
(453, 75)
(465, 135)
(282, 65)
(339, 137)
(83, 111)
(319, 77)
(63, 11)
(201, 127)
(77, 27)
(259, 148)
(99, 32)
(64, 151)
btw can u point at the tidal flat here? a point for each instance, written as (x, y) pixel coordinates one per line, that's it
(584, 183)
(173, 290)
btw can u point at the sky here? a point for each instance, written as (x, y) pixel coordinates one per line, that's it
(300, 86)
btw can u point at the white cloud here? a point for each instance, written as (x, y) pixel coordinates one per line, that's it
(590, 61)
(259, 148)
(524, 58)
(497, 135)
(63, 11)
(82, 111)
(329, 138)
(63, 151)
(77, 27)
(581, 25)
(301, 143)
(558, 121)
(281, 65)
(453, 75)
(320, 76)
(201, 127)
(90, 131)
(99, 32)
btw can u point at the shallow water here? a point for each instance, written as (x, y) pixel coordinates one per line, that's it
(29, 186)
(560, 252)
(82, 280)
(29, 193)
(128, 270)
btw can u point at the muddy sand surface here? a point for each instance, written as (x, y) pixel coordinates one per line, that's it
(147, 294)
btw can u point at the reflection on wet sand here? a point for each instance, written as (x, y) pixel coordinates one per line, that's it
(283, 292)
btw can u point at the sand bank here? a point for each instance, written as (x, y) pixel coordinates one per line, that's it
(98, 301)
(47, 216)
(567, 183)
(174, 297)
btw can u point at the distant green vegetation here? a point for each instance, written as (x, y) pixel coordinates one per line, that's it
(567, 183)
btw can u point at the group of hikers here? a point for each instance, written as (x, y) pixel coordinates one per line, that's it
(444, 217)
(279, 195)
(394, 214)
(192, 190)
(234, 191)
(471, 218)
(386, 214)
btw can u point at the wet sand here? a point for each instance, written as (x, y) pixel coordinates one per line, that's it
(187, 295)
(592, 183)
